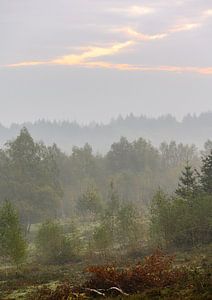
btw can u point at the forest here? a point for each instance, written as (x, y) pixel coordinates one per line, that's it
(66, 134)
(135, 222)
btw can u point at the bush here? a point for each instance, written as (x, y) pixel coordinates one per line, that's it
(53, 245)
(156, 271)
(181, 223)
(12, 244)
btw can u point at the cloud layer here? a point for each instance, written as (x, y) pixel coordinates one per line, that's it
(130, 40)
(123, 33)
(91, 60)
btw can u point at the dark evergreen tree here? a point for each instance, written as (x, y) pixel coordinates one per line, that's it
(206, 174)
(187, 185)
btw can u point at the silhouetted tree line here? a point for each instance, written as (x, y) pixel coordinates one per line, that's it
(192, 129)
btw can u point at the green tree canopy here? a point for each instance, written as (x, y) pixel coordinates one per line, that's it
(30, 178)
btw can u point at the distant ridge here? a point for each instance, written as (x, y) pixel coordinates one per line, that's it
(191, 130)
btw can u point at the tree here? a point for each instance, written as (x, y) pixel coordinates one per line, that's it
(102, 237)
(129, 227)
(53, 245)
(176, 223)
(145, 156)
(173, 154)
(187, 185)
(12, 244)
(90, 202)
(161, 219)
(113, 204)
(119, 225)
(30, 178)
(206, 173)
(207, 147)
(120, 155)
(83, 161)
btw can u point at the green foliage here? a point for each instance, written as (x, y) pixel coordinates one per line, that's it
(90, 202)
(160, 218)
(54, 246)
(181, 223)
(187, 186)
(174, 154)
(43, 182)
(206, 173)
(83, 161)
(29, 178)
(12, 244)
(185, 220)
(120, 224)
(136, 156)
(129, 225)
(102, 237)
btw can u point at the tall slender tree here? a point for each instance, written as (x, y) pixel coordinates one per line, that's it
(187, 185)
(206, 173)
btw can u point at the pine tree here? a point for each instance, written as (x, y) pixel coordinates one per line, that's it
(187, 185)
(12, 243)
(206, 173)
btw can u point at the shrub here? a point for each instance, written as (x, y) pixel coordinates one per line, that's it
(181, 223)
(156, 271)
(12, 244)
(53, 245)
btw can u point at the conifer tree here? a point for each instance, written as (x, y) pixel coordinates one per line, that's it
(206, 174)
(187, 185)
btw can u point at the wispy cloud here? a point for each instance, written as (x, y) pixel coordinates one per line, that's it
(143, 68)
(93, 56)
(133, 11)
(88, 58)
(141, 36)
(158, 36)
(184, 27)
(89, 53)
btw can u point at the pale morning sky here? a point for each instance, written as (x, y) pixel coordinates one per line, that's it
(90, 60)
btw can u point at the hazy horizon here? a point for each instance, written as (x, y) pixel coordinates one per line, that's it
(108, 121)
(192, 130)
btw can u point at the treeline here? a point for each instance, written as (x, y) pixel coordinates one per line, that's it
(182, 220)
(45, 182)
(102, 198)
(192, 129)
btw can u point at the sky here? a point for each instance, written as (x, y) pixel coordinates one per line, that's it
(91, 60)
